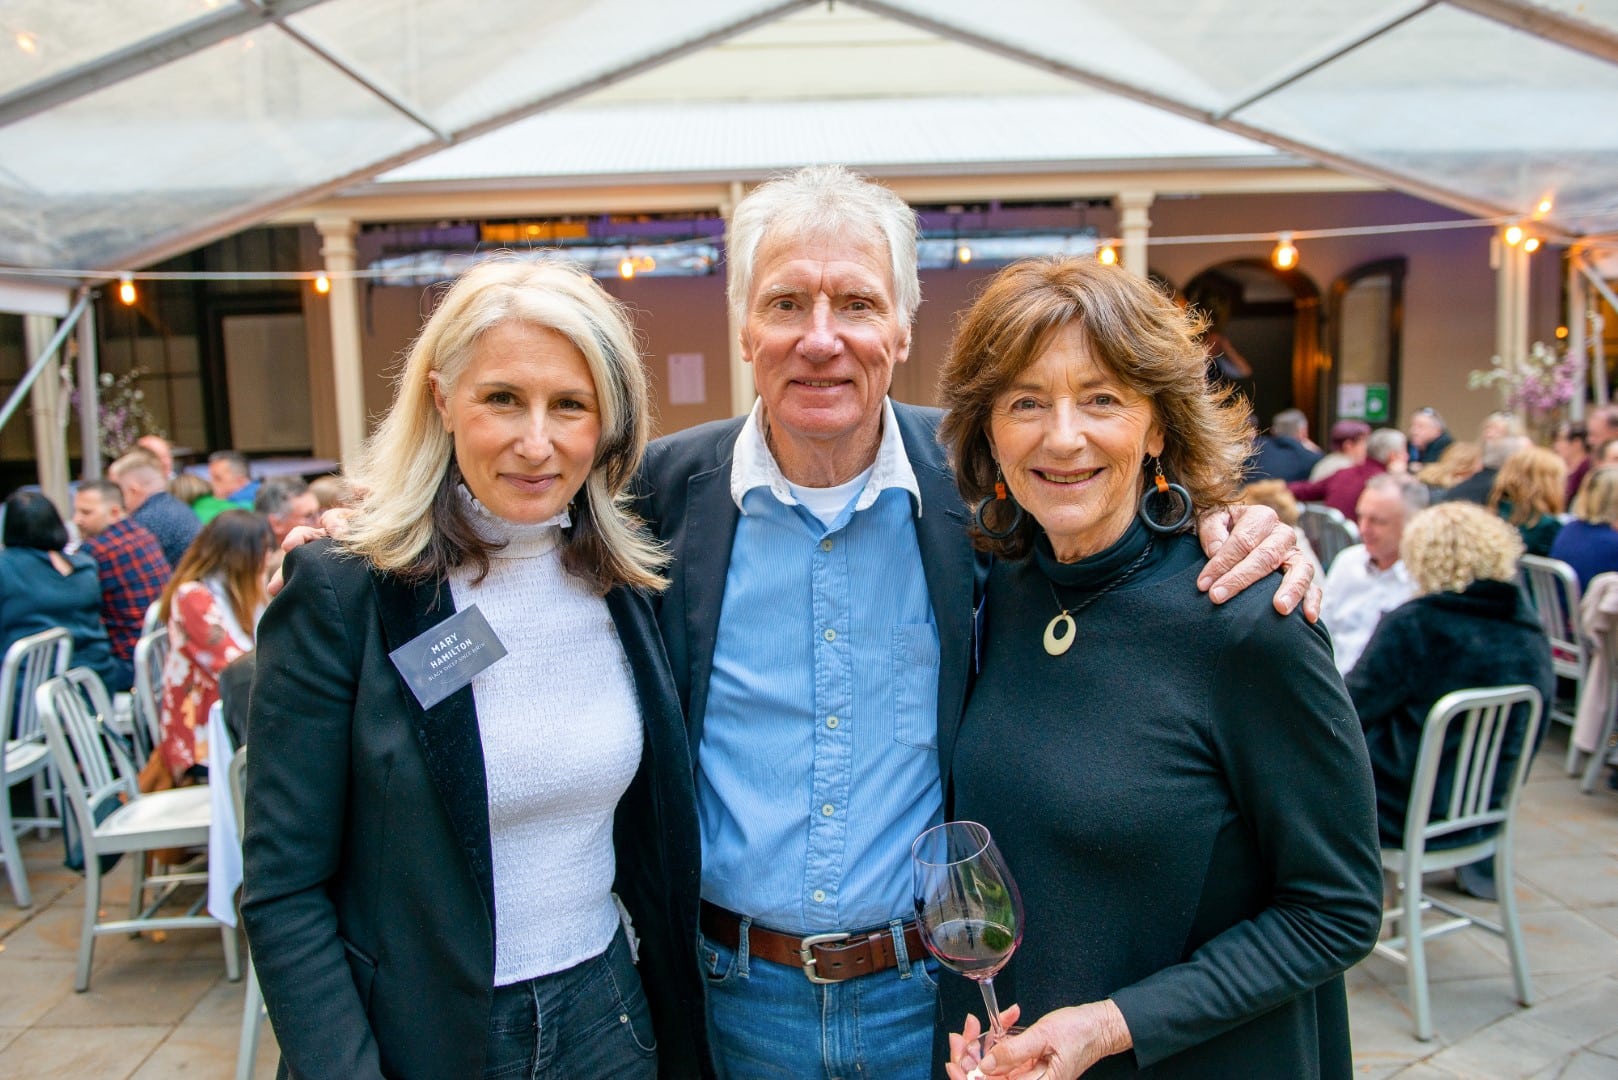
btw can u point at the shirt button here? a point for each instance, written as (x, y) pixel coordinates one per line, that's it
(830, 634)
(825, 545)
(828, 810)
(832, 721)
(819, 895)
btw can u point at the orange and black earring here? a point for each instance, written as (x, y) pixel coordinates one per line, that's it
(1160, 489)
(1001, 498)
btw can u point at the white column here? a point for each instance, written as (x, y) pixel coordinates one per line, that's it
(347, 362)
(48, 407)
(1511, 299)
(89, 397)
(1134, 222)
(742, 390)
(1577, 293)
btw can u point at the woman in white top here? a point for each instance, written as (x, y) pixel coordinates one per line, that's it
(434, 866)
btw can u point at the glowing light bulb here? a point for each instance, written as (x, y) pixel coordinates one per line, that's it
(1531, 244)
(322, 284)
(1108, 255)
(1561, 331)
(27, 42)
(963, 254)
(1544, 206)
(126, 291)
(1285, 256)
(1514, 235)
(626, 268)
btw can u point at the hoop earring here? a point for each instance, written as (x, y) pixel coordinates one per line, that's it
(999, 495)
(1163, 487)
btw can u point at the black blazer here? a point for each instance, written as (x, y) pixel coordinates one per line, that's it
(684, 495)
(369, 895)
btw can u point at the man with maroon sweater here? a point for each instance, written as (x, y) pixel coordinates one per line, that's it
(1383, 450)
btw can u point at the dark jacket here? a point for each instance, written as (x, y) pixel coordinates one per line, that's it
(684, 495)
(1422, 650)
(369, 894)
(34, 598)
(1474, 489)
(1279, 457)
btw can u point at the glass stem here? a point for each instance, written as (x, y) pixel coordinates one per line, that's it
(996, 1028)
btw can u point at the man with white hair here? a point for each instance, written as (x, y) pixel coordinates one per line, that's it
(819, 623)
(150, 505)
(1382, 451)
(1369, 579)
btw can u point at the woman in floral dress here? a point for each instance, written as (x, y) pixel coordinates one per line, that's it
(211, 607)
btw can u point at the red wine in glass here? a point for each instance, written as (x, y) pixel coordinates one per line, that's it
(967, 906)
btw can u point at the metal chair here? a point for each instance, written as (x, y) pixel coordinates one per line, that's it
(23, 753)
(97, 776)
(1592, 766)
(1553, 590)
(1329, 532)
(1487, 729)
(253, 1012)
(151, 653)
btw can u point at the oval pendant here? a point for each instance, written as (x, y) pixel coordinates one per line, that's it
(1055, 645)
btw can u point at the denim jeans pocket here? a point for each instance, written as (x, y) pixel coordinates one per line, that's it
(634, 1011)
(718, 961)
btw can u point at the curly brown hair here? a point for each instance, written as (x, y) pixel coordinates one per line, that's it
(1136, 332)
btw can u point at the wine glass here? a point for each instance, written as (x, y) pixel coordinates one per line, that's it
(967, 907)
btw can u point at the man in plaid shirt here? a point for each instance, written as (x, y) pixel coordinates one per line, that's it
(133, 569)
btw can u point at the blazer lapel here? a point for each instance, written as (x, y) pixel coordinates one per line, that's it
(448, 732)
(711, 517)
(953, 573)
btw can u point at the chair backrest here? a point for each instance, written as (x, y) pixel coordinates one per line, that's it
(1553, 589)
(83, 754)
(28, 663)
(238, 787)
(1329, 532)
(1487, 733)
(151, 653)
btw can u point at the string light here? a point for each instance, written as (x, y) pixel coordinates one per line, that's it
(1531, 244)
(126, 290)
(322, 284)
(626, 268)
(1544, 206)
(1561, 331)
(1108, 254)
(1513, 235)
(27, 42)
(1285, 256)
(963, 254)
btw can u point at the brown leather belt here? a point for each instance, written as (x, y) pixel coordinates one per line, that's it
(824, 958)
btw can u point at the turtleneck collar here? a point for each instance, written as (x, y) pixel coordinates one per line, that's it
(1105, 566)
(519, 541)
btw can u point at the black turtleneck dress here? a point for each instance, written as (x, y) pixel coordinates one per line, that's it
(1185, 801)
(1422, 650)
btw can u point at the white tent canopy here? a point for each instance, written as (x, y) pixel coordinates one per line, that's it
(130, 132)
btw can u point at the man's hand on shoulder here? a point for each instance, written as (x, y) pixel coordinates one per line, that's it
(1245, 544)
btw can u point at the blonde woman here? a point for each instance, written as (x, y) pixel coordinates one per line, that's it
(1528, 493)
(1589, 543)
(1459, 461)
(433, 882)
(1469, 625)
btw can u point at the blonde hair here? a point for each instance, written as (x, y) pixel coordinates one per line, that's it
(1597, 500)
(1459, 461)
(411, 520)
(1449, 546)
(1134, 331)
(1533, 481)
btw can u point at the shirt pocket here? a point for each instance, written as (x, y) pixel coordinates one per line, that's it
(915, 685)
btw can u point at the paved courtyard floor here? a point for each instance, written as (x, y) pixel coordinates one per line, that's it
(160, 1009)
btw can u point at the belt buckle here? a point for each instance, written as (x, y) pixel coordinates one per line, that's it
(804, 954)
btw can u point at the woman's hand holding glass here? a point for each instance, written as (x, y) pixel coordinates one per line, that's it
(1061, 1045)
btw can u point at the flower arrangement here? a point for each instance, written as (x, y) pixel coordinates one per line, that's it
(124, 416)
(1538, 387)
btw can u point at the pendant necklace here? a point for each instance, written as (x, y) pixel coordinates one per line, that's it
(1058, 643)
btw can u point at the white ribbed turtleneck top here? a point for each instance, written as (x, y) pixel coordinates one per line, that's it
(561, 732)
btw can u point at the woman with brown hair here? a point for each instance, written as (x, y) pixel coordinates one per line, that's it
(1528, 493)
(1180, 789)
(211, 606)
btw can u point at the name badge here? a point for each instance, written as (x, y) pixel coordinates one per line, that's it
(447, 657)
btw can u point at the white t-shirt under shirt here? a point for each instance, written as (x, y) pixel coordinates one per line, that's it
(561, 732)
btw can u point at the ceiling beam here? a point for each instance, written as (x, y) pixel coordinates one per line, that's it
(142, 56)
(1552, 26)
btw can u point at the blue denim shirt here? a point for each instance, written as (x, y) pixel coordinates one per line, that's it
(818, 762)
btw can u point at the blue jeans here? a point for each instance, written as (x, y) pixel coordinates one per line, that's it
(769, 1022)
(590, 1022)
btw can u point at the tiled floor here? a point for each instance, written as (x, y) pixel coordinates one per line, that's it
(159, 1009)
